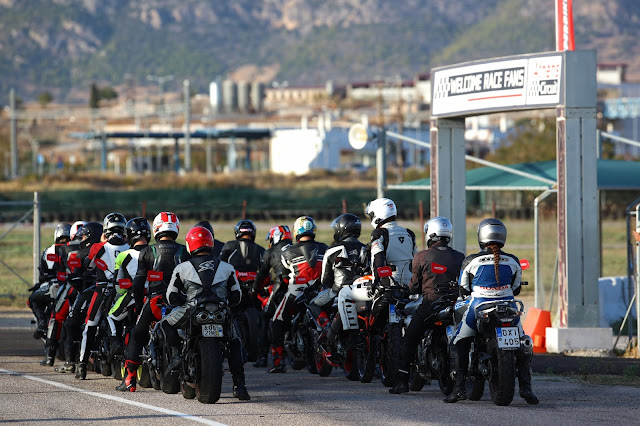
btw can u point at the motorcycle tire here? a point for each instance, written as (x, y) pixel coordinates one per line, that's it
(503, 375)
(350, 366)
(117, 367)
(105, 367)
(322, 365)
(390, 356)
(475, 387)
(209, 382)
(416, 382)
(309, 354)
(169, 383)
(366, 365)
(144, 379)
(188, 392)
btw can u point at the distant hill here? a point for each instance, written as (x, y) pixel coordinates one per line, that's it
(64, 45)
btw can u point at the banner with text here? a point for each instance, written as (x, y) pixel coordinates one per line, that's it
(518, 83)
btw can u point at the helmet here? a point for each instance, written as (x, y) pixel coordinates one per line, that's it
(491, 231)
(380, 210)
(304, 226)
(438, 229)
(63, 231)
(77, 225)
(92, 231)
(136, 229)
(199, 239)
(245, 227)
(166, 224)
(277, 234)
(113, 225)
(346, 225)
(206, 225)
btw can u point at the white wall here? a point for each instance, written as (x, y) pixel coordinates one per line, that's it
(293, 150)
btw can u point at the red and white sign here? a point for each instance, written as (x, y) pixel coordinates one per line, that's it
(438, 269)
(564, 25)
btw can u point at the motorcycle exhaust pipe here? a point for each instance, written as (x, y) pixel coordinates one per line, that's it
(202, 317)
(219, 316)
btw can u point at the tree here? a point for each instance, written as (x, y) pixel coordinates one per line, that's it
(45, 98)
(94, 96)
(534, 140)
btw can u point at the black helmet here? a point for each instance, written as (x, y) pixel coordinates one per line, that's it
(92, 231)
(63, 231)
(346, 225)
(206, 225)
(245, 227)
(136, 229)
(114, 223)
(491, 231)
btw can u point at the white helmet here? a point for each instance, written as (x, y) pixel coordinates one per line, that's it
(77, 225)
(380, 209)
(438, 229)
(166, 224)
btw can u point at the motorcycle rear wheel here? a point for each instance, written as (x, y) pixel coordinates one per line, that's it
(390, 356)
(105, 367)
(416, 382)
(475, 387)
(322, 365)
(209, 359)
(366, 365)
(187, 391)
(144, 379)
(350, 366)
(169, 383)
(503, 375)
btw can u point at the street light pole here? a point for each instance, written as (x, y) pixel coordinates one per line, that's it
(161, 80)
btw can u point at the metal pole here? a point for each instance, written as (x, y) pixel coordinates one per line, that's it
(539, 288)
(187, 125)
(103, 152)
(14, 135)
(637, 278)
(36, 237)
(381, 161)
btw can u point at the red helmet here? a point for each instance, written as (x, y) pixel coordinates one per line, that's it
(199, 239)
(277, 234)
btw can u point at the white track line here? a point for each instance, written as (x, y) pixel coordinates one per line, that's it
(117, 399)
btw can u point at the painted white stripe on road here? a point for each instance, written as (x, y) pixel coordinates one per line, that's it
(116, 399)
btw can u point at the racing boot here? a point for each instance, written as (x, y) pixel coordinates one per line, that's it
(81, 371)
(523, 367)
(402, 383)
(47, 361)
(261, 362)
(278, 360)
(239, 389)
(68, 367)
(131, 375)
(175, 361)
(459, 389)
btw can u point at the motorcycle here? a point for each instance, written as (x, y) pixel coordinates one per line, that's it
(492, 355)
(432, 357)
(247, 318)
(298, 343)
(383, 331)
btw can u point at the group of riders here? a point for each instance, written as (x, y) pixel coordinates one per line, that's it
(113, 275)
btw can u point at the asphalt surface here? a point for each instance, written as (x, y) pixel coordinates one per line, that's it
(32, 394)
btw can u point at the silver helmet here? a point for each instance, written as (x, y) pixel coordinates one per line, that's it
(491, 231)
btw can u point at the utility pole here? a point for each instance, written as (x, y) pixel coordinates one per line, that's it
(161, 80)
(14, 135)
(187, 125)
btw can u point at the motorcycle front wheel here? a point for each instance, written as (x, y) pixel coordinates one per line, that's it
(209, 380)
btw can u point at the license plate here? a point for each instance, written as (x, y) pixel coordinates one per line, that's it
(508, 337)
(393, 318)
(212, 330)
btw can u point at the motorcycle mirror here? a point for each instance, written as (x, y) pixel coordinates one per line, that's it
(153, 276)
(125, 283)
(74, 263)
(101, 264)
(524, 264)
(61, 276)
(384, 271)
(52, 257)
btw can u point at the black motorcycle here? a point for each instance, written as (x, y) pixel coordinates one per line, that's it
(247, 317)
(432, 358)
(298, 342)
(204, 338)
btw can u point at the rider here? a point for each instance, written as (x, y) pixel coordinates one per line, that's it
(81, 279)
(203, 276)
(138, 234)
(114, 233)
(160, 258)
(217, 244)
(432, 268)
(41, 297)
(279, 237)
(490, 274)
(304, 262)
(341, 264)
